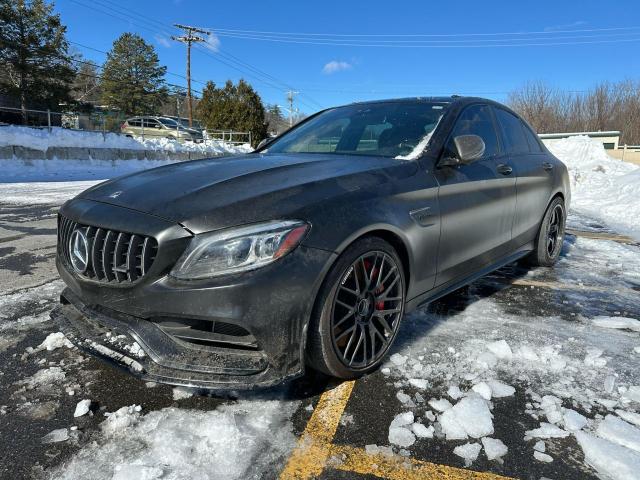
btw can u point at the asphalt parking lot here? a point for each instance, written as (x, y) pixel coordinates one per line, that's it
(317, 428)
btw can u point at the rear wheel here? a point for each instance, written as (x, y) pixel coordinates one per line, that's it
(358, 311)
(550, 236)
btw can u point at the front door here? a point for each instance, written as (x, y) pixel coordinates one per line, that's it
(477, 201)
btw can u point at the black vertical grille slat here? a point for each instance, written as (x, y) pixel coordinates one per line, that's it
(107, 254)
(96, 253)
(114, 256)
(132, 252)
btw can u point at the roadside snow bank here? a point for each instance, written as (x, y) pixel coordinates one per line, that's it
(241, 441)
(602, 187)
(42, 139)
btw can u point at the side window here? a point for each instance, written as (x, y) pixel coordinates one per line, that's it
(135, 122)
(476, 120)
(532, 139)
(513, 132)
(151, 123)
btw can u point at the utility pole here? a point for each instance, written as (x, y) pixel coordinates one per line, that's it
(290, 95)
(188, 39)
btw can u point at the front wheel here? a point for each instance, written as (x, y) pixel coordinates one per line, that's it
(550, 235)
(358, 310)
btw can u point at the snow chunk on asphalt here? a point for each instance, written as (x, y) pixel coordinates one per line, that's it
(400, 433)
(43, 377)
(469, 417)
(401, 436)
(540, 446)
(573, 420)
(630, 417)
(483, 390)
(241, 440)
(59, 435)
(616, 430)
(620, 323)
(180, 393)
(633, 393)
(500, 349)
(398, 360)
(54, 341)
(494, 449)
(609, 459)
(402, 419)
(546, 430)
(542, 457)
(454, 392)
(469, 452)
(120, 420)
(82, 408)
(421, 431)
(499, 389)
(440, 405)
(419, 383)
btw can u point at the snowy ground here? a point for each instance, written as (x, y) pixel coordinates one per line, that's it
(526, 373)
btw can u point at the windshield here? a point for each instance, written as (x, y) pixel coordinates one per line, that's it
(389, 129)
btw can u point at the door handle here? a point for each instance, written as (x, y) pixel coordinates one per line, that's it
(547, 166)
(504, 169)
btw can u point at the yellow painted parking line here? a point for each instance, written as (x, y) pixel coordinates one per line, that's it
(315, 451)
(602, 236)
(568, 286)
(400, 468)
(310, 456)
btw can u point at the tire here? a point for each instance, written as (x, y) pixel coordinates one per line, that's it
(548, 244)
(362, 296)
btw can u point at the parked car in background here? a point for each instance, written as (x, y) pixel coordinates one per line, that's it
(306, 253)
(159, 127)
(195, 124)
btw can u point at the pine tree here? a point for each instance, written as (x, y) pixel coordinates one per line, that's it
(132, 77)
(35, 66)
(275, 120)
(233, 107)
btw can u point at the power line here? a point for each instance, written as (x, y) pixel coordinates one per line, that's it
(422, 44)
(225, 58)
(368, 35)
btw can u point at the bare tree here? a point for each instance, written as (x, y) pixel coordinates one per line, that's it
(607, 106)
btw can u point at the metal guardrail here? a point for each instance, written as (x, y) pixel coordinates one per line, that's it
(229, 136)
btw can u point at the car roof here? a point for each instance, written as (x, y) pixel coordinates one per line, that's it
(452, 99)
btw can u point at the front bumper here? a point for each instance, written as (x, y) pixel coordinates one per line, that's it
(166, 331)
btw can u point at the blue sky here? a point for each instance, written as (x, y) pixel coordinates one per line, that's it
(329, 72)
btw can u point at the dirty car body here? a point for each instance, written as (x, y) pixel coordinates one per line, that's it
(124, 246)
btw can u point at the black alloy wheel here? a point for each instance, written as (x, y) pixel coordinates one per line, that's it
(359, 310)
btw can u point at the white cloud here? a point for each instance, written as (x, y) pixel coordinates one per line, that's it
(336, 66)
(566, 26)
(212, 42)
(164, 41)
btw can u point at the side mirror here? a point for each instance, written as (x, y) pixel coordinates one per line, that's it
(263, 142)
(469, 147)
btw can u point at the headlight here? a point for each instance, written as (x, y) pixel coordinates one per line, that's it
(238, 249)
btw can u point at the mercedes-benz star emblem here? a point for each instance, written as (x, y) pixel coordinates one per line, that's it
(79, 251)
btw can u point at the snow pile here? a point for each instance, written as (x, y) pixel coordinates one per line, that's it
(602, 187)
(237, 441)
(82, 408)
(41, 139)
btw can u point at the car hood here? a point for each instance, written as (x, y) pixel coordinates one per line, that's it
(209, 194)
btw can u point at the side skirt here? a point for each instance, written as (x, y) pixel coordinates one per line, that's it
(447, 288)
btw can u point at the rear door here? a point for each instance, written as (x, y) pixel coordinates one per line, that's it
(534, 175)
(477, 201)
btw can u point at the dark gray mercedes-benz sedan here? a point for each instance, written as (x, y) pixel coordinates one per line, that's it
(239, 272)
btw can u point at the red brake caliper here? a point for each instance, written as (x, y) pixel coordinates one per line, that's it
(374, 277)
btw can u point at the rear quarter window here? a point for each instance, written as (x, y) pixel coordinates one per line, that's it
(513, 132)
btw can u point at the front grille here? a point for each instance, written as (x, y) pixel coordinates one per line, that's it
(113, 256)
